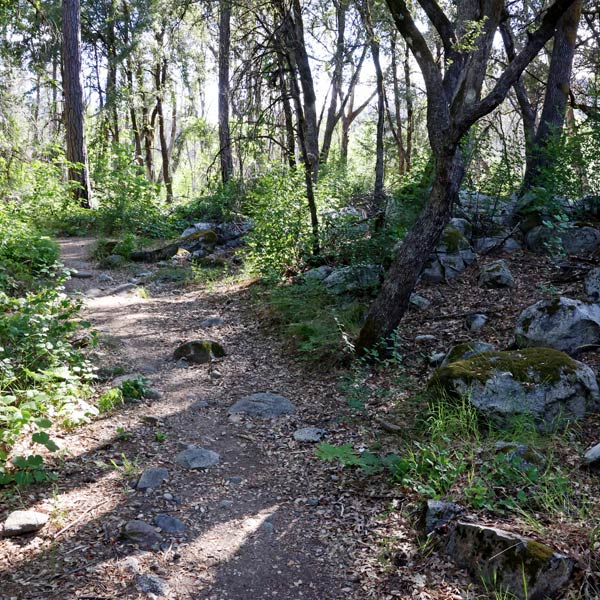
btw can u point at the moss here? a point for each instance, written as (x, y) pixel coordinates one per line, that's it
(459, 351)
(454, 240)
(539, 552)
(529, 365)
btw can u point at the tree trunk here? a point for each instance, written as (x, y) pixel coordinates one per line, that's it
(336, 81)
(160, 78)
(225, 149)
(74, 109)
(557, 93)
(392, 302)
(378, 195)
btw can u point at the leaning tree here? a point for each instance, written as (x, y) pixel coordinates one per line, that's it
(454, 103)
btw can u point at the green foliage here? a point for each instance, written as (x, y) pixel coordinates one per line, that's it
(222, 205)
(134, 389)
(110, 400)
(281, 236)
(348, 457)
(318, 324)
(26, 259)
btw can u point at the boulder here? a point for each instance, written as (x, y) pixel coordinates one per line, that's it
(318, 274)
(561, 323)
(475, 323)
(197, 228)
(485, 244)
(358, 278)
(575, 241)
(479, 208)
(112, 261)
(495, 275)
(199, 351)
(543, 384)
(169, 524)
(263, 405)
(20, 522)
(466, 350)
(462, 225)
(508, 562)
(439, 513)
(592, 285)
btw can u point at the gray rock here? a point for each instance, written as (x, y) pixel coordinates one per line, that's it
(309, 434)
(580, 241)
(475, 322)
(20, 522)
(480, 208)
(461, 225)
(358, 278)
(199, 351)
(541, 383)
(592, 285)
(506, 561)
(152, 584)
(112, 261)
(433, 271)
(105, 278)
(485, 244)
(318, 274)
(140, 533)
(423, 339)
(152, 394)
(200, 404)
(561, 323)
(453, 240)
(80, 274)
(466, 350)
(419, 302)
(452, 264)
(439, 513)
(197, 228)
(169, 524)
(212, 322)
(235, 479)
(495, 275)
(592, 457)
(226, 504)
(125, 288)
(152, 478)
(264, 405)
(268, 527)
(520, 455)
(143, 274)
(197, 458)
(436, 358)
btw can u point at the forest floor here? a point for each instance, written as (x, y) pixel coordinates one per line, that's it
(269, 521)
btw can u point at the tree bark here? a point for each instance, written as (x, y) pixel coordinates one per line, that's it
(74, 108)
(557, 93)
(160, 79)
(225, 149)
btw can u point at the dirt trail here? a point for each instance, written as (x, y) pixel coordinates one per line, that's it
(263, 523)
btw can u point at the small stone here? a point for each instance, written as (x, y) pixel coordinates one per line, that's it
(436, 358)
(143, 273)
(113, 261)
(313, 502)
(334, 478)
(263, 405)
(268, 527)
(235, 480)
(152, 584)
(182, 364)
(105, 278)
(226, 504)
(150, 420)
(425, 338)
(140, 533)
(200, 404)
(81, 274)
(168, 497)
(169, 524)
(131, 564)
(133, 280)
(197, 458)
(419, 302)
(439, 513)
(20, 522)
(152, 478)
(475, 322)
(152, 394)
(495, 275)
(212, 322)
(309, 434)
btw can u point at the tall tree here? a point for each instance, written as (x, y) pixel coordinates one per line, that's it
(454, 104)
(226, 154)
(74, 107)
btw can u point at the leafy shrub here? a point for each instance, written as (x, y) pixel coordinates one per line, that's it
(26, 259)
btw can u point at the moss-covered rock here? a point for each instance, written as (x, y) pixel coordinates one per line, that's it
(199, 351)
(466, 350)
(518, 565)
(541, 383)
(562, 323)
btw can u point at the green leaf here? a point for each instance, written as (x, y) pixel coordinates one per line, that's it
(41, 437)
(43, 423)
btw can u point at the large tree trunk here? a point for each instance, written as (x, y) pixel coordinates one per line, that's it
(378, 195)
(160, 78)
(392, 302)
(557, 93)
(226, 155)
(74, 109)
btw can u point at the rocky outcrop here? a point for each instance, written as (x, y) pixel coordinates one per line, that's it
(538, 383)
(565, 324)
(451, 257)
(574, 240)
(357, 278)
